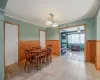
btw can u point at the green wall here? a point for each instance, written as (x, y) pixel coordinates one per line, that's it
(1, 46)
(27, 31)
(2, 7)
(98, 25)
(53, 33)
(3, 4)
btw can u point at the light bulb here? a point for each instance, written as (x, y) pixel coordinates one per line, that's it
(54, 25)
(48, 22)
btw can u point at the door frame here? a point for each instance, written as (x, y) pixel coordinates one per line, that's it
(4, 42)
(45, 36)
(84, 38)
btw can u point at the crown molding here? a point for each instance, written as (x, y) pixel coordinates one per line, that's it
(23, 20)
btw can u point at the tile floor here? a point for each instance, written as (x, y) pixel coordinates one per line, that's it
(75, 55)
(61, 68)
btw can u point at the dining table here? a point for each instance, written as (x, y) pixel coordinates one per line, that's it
(37, 53)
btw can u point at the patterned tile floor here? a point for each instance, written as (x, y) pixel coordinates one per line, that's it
(61, 68)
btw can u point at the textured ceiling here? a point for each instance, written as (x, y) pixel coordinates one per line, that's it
(37, 11)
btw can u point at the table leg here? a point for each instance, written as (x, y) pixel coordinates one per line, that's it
(37, 61)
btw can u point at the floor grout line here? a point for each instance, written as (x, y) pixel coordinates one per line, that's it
(78, 71)
(59, 62)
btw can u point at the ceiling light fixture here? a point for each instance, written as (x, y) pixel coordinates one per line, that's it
(54, 25)
(50, 21)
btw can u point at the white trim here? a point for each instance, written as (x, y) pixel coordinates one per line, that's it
(23, 20)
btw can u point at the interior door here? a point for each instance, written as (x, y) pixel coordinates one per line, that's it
(42, 39)
(11, 44)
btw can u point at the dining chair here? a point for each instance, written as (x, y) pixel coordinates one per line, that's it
(49, 55)
(38, 47)
(30, 59)
(43, 57)
(34, 48)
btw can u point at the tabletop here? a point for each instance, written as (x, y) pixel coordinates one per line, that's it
(38, 50)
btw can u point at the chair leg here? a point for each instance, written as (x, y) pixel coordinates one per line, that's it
(45, 62)
(48, 60)
(29, 67)
(41, 61)
(25, 65)
(38, 64)
(51, 59)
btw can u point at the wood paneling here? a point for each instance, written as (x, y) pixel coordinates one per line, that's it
(55, 46)
(91, 51)
(26, 45)
(98, 55)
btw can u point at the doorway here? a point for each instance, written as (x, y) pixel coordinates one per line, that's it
(42, 39)
(11, 44)
(73, 42)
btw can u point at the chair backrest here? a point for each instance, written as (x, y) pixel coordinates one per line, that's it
(49, 51)
(49, 46)
(39, 47)
(27, 54)
(33, 48)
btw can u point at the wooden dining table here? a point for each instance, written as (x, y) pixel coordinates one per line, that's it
(38, 53)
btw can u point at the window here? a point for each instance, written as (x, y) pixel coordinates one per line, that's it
(82, 38)
(76, 38)
(69, 38)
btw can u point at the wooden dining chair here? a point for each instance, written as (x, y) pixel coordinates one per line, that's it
(38, 47)
(30, 59)
(49, 55)
(34, 48)
(49, 47)
(43, 57)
